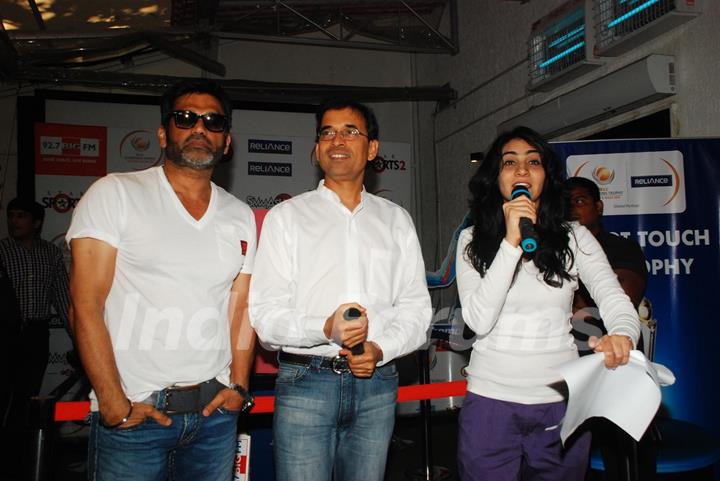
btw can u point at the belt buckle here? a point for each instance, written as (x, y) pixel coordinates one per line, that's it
(340, 365)
(193, 390)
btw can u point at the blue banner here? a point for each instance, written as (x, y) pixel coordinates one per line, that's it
(663, 193)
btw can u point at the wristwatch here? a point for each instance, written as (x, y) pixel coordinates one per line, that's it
(248, 399)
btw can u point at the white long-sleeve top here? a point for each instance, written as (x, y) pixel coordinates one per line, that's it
(523, 324)
(315, 254)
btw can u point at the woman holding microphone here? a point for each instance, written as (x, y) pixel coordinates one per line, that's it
(519, 305)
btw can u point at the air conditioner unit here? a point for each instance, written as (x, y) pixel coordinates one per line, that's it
(621, 25)
(560, 46)
(639, 83)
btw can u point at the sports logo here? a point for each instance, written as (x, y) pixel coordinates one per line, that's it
(381, 164)
(61, 202)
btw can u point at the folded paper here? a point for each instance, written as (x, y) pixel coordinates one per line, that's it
(628, 395)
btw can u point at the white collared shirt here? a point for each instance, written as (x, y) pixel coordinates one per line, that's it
(315, 254)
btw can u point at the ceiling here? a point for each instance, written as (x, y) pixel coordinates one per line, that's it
(87, 43)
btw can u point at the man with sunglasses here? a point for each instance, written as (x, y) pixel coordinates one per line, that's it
(339, 287)
(159, 280)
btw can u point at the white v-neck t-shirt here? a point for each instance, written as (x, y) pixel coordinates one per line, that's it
(167, 309)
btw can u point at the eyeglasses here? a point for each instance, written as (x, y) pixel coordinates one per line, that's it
(345, 134)
(186, 119)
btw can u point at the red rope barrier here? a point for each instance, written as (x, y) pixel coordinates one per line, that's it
(78, 410)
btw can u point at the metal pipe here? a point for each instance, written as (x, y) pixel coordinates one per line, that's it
(442, 37)
(330, 43)
(311, 22)
(36, 13)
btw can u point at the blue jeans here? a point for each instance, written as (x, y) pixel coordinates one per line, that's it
(327, 423)
(192, 448)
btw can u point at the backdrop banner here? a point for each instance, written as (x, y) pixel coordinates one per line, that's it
(663, 193)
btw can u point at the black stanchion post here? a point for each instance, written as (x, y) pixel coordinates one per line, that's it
(42, 424)
(425, 412)
(427, 471)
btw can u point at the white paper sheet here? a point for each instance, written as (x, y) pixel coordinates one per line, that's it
(629, 395)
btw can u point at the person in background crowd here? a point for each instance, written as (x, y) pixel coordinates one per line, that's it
(39, 279)
(161, 263)
(519, 305)
(322, 253)
(37, 276)
(624, 255)
(621, 454)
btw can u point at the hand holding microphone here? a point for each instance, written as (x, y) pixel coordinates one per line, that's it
(350, 314)
(347, 326)
(528, 235)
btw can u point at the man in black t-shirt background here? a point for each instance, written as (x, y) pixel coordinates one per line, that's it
(621, 454)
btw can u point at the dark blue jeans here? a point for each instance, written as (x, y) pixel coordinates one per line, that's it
(329, 423)
(192, 448)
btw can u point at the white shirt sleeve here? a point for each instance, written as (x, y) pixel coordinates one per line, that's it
(272, 314)
(100, 213)
(616, 309)
(412, 311)
(482, 298)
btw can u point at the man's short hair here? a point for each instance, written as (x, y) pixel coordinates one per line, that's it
(373, 129)
(194, 86)
(582, 183)
(27, 205)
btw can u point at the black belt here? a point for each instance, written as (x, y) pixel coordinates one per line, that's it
(337, 364)
(185, 399)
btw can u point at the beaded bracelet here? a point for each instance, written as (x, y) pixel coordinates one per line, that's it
(122, 421)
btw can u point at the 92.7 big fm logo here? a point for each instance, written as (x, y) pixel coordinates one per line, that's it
(381, 164)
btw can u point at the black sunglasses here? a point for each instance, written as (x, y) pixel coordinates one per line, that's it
(186, 119)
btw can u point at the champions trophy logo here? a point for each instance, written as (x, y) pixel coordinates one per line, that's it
(603, 175)
(140, 149)
(140, 143)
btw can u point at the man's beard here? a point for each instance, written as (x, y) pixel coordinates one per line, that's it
(192, 157)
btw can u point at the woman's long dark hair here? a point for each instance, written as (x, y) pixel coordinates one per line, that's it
(486, 202)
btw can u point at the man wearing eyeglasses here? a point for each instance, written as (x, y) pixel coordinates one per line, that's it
(161, 263)
(339, 288)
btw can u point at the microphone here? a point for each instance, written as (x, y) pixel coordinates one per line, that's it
(350, 314)
(528, 236)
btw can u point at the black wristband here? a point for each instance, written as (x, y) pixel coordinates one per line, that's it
(122, 421)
